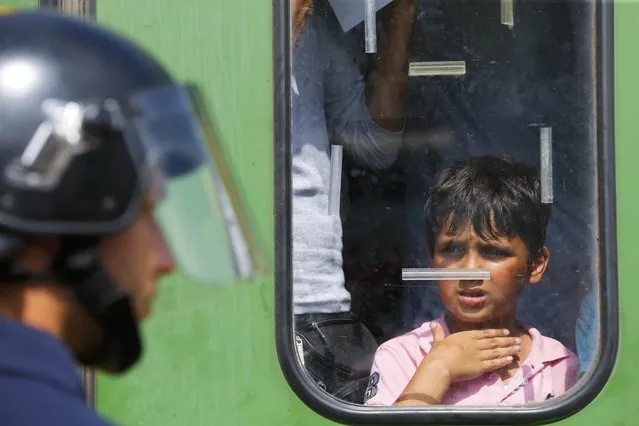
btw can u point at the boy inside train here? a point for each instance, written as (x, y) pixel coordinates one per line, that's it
(483, 214)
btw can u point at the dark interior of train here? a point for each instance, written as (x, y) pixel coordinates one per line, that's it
(536, 73)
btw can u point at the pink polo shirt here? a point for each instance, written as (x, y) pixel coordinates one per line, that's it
(549, 370)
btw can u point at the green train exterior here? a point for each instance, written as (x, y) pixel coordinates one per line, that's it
(211, 352)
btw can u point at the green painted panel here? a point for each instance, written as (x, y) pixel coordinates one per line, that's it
(19, 3)
(211, 353)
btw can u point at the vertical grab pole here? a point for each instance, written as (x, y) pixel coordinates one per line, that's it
(370, 27)
(545, 136)
(335, 184)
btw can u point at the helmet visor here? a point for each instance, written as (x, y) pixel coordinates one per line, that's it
(200, 211)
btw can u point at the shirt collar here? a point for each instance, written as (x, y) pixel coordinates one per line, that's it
(544, 349)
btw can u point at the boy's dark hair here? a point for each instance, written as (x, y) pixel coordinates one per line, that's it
(497, 195)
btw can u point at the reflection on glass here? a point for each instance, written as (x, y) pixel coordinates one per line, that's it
(545, 134)
(425, 122)
(425, 274)
(507, 17)
(431, 69)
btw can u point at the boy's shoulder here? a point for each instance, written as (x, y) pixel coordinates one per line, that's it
(549, 350)
(560, 361)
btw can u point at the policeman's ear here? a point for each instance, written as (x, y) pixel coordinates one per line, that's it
(37, 253)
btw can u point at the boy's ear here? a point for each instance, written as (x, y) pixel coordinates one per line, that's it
(538, 266)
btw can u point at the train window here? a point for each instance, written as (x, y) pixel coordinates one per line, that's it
(445, 234)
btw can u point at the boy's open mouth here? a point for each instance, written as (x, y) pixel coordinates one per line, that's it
(472, 296)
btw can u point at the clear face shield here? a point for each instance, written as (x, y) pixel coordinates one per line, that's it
(199, 208)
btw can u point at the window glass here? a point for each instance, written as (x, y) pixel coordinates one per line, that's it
(444, 194)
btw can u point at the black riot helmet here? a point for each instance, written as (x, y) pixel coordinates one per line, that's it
(90, 125)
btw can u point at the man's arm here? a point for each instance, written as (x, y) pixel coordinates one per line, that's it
(387, 82)
(366, 117)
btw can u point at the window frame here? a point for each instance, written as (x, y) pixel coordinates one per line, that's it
(344, 412)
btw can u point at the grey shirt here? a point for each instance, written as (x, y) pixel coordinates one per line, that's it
(328, 106)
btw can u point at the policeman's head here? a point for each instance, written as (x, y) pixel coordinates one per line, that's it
(108, 181)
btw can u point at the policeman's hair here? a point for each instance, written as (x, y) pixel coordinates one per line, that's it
(11, 246)
(497, 195)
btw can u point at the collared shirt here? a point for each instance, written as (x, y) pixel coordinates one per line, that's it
(549, 370)
(39, 381)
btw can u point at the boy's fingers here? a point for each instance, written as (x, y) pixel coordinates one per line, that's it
(438, 332)
(498, 342)
(492, 354)
(490, 333)
(494, 364)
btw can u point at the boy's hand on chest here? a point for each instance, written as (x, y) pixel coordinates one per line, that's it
(469, 354)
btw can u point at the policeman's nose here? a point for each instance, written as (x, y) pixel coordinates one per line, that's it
(166, 263)
(165, 260)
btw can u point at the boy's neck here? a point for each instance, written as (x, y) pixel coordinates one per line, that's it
(508, 322)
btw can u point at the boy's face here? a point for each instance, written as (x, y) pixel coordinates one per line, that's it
(507, 260)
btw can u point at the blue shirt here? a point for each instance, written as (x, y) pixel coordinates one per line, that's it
(39, 381)
(586, 331)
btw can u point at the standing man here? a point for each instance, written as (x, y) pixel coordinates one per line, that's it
(332, 102)
(99, 152)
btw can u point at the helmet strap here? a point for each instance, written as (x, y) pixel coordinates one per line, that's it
(77, 265)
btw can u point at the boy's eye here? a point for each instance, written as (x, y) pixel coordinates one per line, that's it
(451, 248)
(495, 252)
